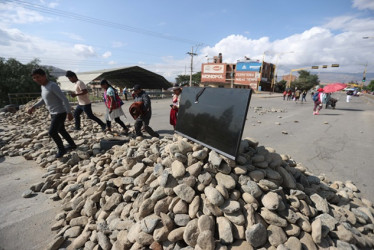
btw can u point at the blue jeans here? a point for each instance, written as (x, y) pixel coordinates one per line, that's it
(58, 127)
(87, 109)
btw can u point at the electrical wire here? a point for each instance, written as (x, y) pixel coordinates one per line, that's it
(97, 21)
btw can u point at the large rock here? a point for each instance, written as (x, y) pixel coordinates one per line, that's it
(184, 192)
(256, 235)
(214, 196)
(225, 230)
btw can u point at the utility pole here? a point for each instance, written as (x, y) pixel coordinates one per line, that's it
(364, 76)
(191, 54)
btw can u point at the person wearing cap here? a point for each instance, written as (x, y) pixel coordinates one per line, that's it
(58, 106)
(177, 90)
(113, 104)
(84, 103)
(142, 121)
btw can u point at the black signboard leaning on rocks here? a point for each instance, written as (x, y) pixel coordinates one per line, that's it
(214, 117)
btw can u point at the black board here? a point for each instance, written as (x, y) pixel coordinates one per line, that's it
(214, 117)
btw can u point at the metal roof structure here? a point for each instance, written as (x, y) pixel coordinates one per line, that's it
(120, 77)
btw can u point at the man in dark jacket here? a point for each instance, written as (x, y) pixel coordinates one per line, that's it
(144, 118)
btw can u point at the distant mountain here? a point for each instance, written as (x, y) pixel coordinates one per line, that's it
(328, 77)
(56, 72)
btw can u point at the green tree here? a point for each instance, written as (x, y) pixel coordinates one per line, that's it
(184, 80)
(15, 78)
(280, 86)
(370, 87)
(305, 81)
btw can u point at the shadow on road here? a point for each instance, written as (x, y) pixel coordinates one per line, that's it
(350, 109)
(165, 131)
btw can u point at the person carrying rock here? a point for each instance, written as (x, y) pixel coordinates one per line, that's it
(143, 119)
(113, 104)
(58, 106)
(84, 103)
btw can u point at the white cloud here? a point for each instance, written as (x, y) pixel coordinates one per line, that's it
(10, 13)
(112, 62)
(84, 50)
(53, 4)
(363, 4)
(107, 54)
(73, 36)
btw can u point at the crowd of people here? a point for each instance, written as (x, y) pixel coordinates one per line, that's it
(59, 108)
(319, 98)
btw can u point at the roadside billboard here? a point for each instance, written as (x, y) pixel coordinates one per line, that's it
(248, 66)
(213, 72)
(247, 78)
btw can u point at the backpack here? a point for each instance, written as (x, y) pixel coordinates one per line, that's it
(315, 97)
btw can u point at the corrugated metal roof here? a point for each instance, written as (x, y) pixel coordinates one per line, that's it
(121, 77)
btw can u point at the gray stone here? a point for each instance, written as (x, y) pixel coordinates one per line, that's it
(328, 223)
(224, 230)
(136, 170)
(288, 180)
(146, 208)
(276, 235)
(184, 192)
(273, 218)
(225, 180)
(320, 203)
(205, 222)
(214, 196)
(177, 169)
(214, 159)
(317, 231)
(307, 241)
(205, 240)
(252, 188)
(191, 233)
(73, 232)
(149, 223)
(230, 206)
(205, 178)
(181, 219)
(271, 201)
(257, 175)
(293, 243)
(194, 207)
(27, 194)
(236, 217)
(256, 235)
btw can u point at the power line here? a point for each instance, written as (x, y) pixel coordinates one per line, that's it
(97, 21)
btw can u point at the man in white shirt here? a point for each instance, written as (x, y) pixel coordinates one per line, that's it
(84, 103)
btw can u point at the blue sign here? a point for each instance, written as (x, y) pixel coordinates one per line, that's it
(248, 66)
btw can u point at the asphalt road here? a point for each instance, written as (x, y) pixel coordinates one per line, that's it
(337, 143)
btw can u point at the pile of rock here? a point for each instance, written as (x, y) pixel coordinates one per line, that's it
(171, 193)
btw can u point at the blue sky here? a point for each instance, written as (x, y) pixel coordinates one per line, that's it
(90, 35)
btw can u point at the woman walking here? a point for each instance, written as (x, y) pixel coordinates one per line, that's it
(175, 106)
(317, 98)
(113, 104)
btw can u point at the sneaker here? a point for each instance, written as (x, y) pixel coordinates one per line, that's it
(314, 113)
(60, 153)
(70, 147)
